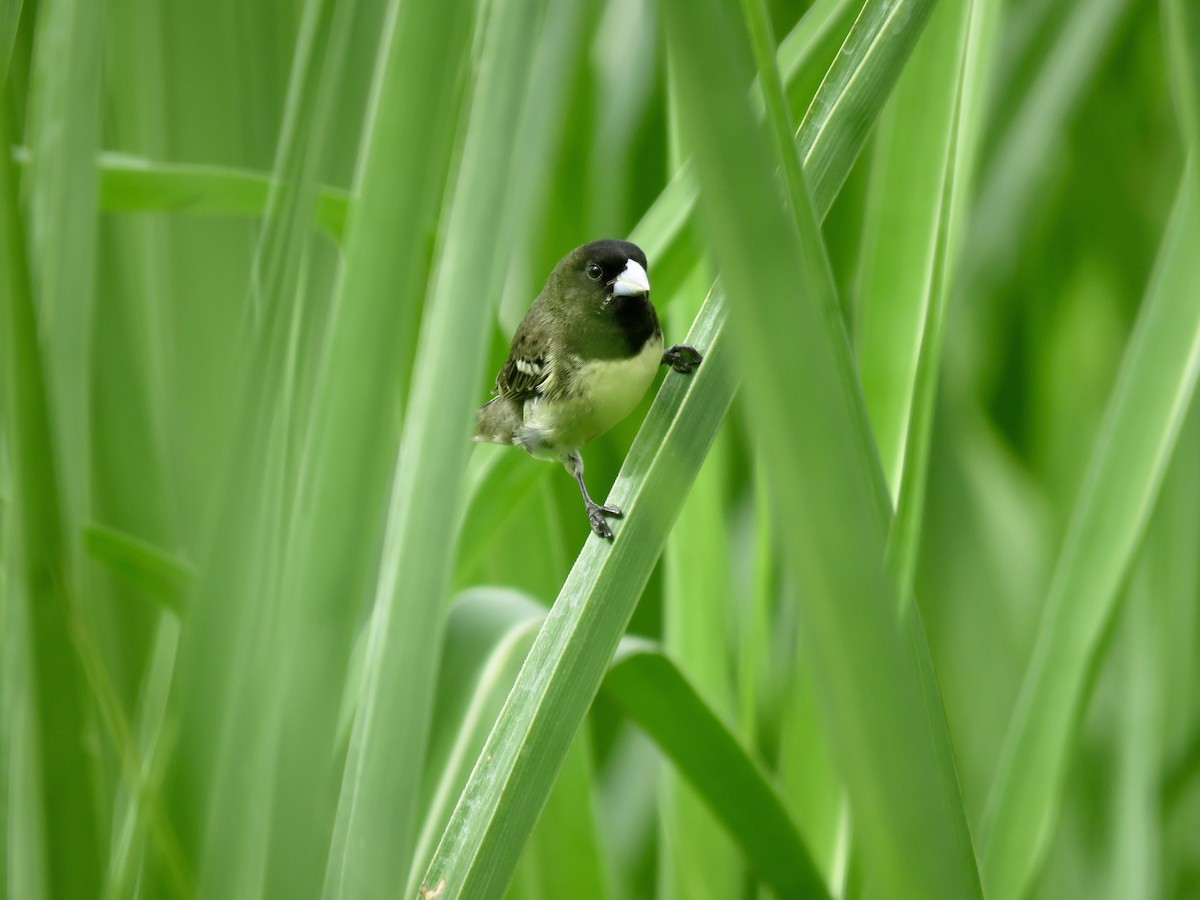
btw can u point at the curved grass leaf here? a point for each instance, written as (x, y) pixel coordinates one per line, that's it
(1153, 390)
(162, 576)
(488, 635)
(655, 694)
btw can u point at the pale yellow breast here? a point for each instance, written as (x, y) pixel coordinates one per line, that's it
(603, 393)
(616, 386)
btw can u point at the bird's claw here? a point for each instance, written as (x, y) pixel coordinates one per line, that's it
(682, 358)
(596, 516)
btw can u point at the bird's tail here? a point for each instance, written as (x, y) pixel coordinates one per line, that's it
(496, 421)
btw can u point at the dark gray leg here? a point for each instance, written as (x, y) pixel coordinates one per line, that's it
(682, 358)
(595, 512)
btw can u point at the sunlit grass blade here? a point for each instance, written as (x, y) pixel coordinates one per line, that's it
(375, 827)
(1153, 390)
(905, 256)
(488, 634)
(255, 826)
(663, 228)
(975, 35)
(873, 52)
(38, 570)
(697, 590)
(875, 687)
(655, 694)
(921, 172)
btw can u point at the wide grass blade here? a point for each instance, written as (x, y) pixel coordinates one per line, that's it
(375, 827)
(697, 855)
(873, 53)
(39, 574)
(906, 254)
(63, 134)
(877, 688)
(1153, 390)
(260, 820)
(920, 176)
(488, 635)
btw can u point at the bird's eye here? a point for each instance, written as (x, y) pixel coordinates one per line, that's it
(594, 272)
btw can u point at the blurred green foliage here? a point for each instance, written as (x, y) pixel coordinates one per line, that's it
(261, 603)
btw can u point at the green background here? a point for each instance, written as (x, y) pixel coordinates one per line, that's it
(909, 571)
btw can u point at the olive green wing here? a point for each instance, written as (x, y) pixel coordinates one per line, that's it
(526, 371)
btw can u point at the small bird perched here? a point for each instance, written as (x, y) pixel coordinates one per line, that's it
(581, 359)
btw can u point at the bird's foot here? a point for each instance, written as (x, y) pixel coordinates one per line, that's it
(682, 358)
(596, 516)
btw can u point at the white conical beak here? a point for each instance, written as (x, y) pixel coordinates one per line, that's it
(632, 282)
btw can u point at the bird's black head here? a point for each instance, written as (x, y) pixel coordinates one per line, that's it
(597, 274)
(599, 294)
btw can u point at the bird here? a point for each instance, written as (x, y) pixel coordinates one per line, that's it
(580, 361)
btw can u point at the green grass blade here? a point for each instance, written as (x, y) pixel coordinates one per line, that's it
(10, 17)
(480, 846)
(375, 828)
(877, 687)
(488, 634)
(873, 52)
(662, 229)
(1182, 34)
(163, 576)
(135, 184)
(260, 822)
(562, 858)
(362, 373)
(921, 171)
(39, 572)
(654, 693)
(697, 854)
(64, 135)
(1016, 166)
(1153, 390)
(903, 278)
